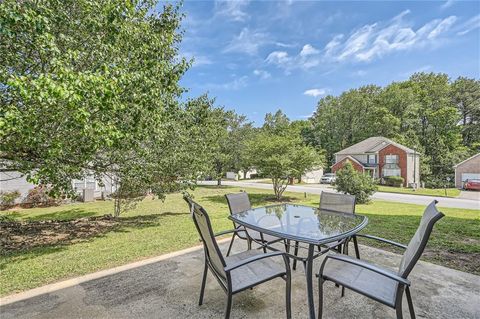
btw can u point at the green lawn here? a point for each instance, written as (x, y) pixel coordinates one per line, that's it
(451, 192)
(156, 227)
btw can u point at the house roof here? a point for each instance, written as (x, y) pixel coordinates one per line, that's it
(372, 145)
(468, 159)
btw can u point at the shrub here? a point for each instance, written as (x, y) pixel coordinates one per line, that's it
(7, 199)
(40, 196)
(396, 181)
(349, 181)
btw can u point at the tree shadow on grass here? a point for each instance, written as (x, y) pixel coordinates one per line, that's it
(46, 236)
(256, 199)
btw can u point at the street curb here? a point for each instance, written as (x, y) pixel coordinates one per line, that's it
(103, 273)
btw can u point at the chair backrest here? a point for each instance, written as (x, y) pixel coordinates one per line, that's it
(418, 242)
(204, 228)
(238, 202)
(341, 203)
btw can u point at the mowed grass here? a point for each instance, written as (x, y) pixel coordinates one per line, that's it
(440, 192)
(455, 242)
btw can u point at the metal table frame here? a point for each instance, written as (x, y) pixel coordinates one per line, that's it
(312, 243)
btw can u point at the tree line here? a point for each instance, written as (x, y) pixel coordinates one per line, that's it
(428, 112)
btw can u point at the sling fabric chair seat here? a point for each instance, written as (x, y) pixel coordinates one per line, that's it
(253, 273)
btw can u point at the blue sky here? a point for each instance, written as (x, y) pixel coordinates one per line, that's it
(260, 56)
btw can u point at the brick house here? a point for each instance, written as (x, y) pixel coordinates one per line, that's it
(380, 157)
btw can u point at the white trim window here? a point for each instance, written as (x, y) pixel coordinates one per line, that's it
(391, 167)
(371, 159)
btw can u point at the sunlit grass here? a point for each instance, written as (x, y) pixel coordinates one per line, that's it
(171, 229)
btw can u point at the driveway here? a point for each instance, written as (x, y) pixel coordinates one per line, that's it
(472, 195)
(169, 288)
(394, 197)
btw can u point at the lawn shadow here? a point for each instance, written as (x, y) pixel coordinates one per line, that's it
(256, 199)
(25, 237)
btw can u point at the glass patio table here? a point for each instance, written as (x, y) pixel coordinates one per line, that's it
(304, 224)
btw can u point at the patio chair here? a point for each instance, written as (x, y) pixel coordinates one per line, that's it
(381, 284)
(239, 202)
(240, 271)
(337, 203)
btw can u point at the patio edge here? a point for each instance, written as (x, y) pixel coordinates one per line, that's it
(99, 274)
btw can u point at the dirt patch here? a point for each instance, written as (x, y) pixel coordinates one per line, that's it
(22, 236)
(468, 262)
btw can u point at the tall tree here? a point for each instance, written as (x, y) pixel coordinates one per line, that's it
(466, 97)
(96, 97)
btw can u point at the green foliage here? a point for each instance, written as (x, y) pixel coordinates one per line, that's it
(396, 181)
(7, 199)
(422, 113)
(349, 181)
(279, 152)
(91, 88)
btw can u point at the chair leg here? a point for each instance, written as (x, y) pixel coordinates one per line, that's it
(320, 296)
(398, 309)
(295, 253)
(231, 244)
(229, 306)
(288, 295)
(410, 303)
(204, 280)
(355, 245)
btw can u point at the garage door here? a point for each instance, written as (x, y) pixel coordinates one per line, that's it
(466, 176)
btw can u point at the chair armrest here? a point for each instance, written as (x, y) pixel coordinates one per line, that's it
(252, 259)
(383, 240)
(363, 264)
(226, 232)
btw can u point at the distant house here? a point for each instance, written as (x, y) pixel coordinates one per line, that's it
(313, 176)
(16, 181)
(468, 169)
(252, 173)
(380, 157)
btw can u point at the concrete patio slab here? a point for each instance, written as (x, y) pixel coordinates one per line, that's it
(169, 287)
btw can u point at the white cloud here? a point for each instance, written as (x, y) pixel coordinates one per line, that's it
(247, 42)
(447, 4)
(315, 92)
(308, 49)
(262, 74)
(234, 10)
(377, 39)
(278, 57)
(469, 25)
(307, 58)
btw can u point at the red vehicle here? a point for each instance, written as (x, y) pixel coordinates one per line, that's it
(472, 184)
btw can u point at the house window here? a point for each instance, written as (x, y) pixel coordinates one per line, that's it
(372, 159)
(391, 159)
(391, 167)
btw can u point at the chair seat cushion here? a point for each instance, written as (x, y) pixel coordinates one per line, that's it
(255, 272)
(362, 280)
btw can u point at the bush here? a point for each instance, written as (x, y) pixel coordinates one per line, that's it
(395, 181)
(40, 196)
(349, 181)
(7, 199)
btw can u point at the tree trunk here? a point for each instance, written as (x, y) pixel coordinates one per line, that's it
(117, 206)
(219, 182)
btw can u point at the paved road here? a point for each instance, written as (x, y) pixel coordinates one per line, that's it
(403, 198)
